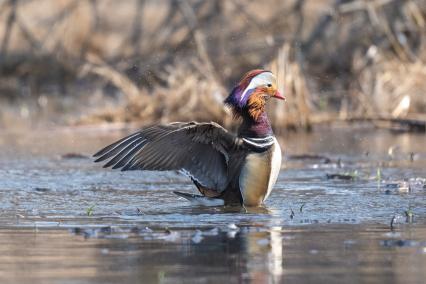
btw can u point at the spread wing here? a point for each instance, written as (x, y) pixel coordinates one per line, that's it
(200, 150)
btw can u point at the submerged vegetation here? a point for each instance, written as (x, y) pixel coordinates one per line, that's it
(175, 60)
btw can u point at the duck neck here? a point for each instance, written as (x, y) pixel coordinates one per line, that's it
(255, 128)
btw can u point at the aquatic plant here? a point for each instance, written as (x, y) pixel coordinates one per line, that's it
(89, 211)
(409, 214)
(379, 177)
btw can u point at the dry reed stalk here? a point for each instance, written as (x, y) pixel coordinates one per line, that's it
(384, 84)
(295, 111)
(188, 95)
(82, 38)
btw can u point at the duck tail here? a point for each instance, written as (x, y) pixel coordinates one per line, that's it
(200, 200)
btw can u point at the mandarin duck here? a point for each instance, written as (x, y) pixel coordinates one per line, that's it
(226, 168)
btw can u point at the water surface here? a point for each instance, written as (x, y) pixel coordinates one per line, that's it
(64, 219)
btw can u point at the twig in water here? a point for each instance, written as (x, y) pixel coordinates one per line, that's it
(392, 222)
(412, 156)
(292, 214)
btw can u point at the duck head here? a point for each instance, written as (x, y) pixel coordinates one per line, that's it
(252, 92)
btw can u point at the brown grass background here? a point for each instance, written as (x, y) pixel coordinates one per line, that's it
(147, 61)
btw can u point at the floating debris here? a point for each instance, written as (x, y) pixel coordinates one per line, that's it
(197, 237)
(212, 232)
(392, 222)
(392, 185)
(42, 189)
(324, 159)
(76, 231)
(399, 243)
(106, 230)
(397, 218)
(403, 186)
(169, 236)
(417, 183)
(85, 232)
(292, 214)
(346, 176)
(392, 150)
(146, 230)
(135, 230)
(232, 227)
(301, 207)
(232, 230)
(74, 156)
(231, 234)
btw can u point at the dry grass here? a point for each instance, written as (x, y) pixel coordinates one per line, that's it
(157, 61)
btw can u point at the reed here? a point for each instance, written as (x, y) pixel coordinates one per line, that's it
(175, 60)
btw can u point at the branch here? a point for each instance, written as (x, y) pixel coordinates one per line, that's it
(9, 25)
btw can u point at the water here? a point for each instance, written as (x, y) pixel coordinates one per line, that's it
(64, 219)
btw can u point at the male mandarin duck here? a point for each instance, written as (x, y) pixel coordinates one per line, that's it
(225, 168)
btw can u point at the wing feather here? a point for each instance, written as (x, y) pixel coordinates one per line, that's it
(122, 152)
(124, 158)
(199, 149)
(114, 148)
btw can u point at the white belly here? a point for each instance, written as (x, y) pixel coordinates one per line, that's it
(259, 174)
(275, 167)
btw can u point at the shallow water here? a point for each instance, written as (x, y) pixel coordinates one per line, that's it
(65, 219)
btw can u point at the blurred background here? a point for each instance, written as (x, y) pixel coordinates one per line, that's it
(79, 62)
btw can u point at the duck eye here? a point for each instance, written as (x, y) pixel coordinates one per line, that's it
(269, 85)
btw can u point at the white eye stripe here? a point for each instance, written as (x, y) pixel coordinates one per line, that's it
(246, 91)
(263, 78)
(260, 81)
